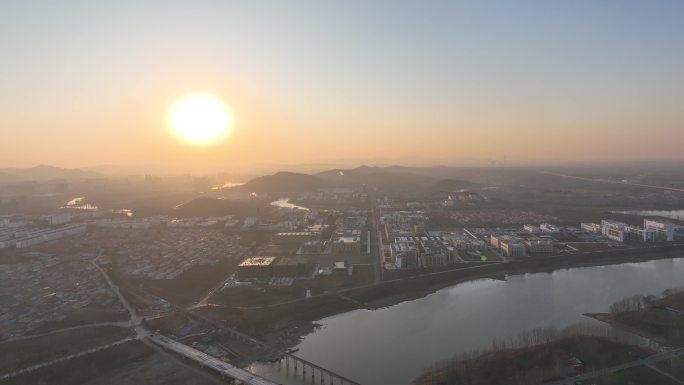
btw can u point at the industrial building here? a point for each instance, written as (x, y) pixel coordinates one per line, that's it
(663, 230)
(404, 252)
(272, 266)
(346, 244)
(591, 227)
(621, 232)
(256, 267)
(291, 266)
(32, 238)
(495, 240)
(312, 247)
(538, 245)
(58, 218)
(512, 247)
(548, 228)
(468, 244)
(426, 251)
(293, 237)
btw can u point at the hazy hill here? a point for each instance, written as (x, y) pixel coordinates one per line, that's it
(283, 182)
(45, 173)
(455, 184)
(392, 177)
(373, 176)
(5, 177)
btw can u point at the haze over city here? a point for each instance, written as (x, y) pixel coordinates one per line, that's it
(343, 83)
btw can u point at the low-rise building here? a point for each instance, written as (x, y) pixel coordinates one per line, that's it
(591, 227)
(663, 229)
(538, 245)
(513, 247)
(468, 244)
(312, 247)
(256, 267)
(44, 235)
(548, 228)
(621, 232)
(346, 244)
(291, 266)
(495, 240)
(414, 252)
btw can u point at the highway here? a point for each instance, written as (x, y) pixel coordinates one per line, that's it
(612, 369)
(612, 181)
(206, 360)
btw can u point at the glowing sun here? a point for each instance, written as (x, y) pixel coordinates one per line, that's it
(200, 119)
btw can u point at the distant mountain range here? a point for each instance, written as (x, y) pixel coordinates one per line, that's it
(45, 173)
(378, 177)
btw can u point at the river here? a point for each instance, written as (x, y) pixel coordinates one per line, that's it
(392, 345)
(285, 203)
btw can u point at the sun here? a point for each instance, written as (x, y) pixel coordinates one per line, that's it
(200, 119)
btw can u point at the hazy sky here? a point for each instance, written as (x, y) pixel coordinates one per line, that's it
(86, 83)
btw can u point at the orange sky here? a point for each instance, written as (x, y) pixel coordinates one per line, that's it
(341, 83)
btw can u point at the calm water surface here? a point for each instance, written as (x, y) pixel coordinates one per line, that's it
(285, 203)
(392, 345)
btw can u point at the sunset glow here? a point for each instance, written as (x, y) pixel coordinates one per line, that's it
(199, 119)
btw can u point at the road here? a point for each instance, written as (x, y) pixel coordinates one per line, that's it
(612, 181)
(123, 324)
(135, 318)
(213, 291)
(376, 245)
(65, 358)
(612, 369)
(205, 360)
(184, 363)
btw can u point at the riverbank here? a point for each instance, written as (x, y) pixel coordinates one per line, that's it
(656, 319)
(551, 357)
(285, 325)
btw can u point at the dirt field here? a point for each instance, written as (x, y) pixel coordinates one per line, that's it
(130, 363)
(24, 353)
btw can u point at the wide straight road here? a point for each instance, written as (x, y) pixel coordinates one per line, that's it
(376, 245)
(612, 181)
(206, 360)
